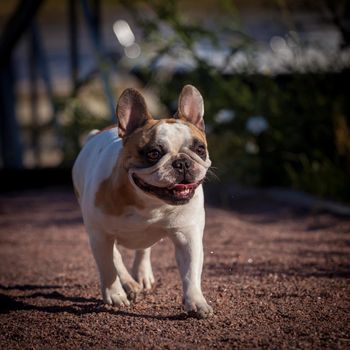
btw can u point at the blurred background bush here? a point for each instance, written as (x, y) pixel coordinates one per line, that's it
(274, 76)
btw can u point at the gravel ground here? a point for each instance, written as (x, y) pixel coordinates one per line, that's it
(277, 277)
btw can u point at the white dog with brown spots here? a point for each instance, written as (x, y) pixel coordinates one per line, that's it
(139, 182)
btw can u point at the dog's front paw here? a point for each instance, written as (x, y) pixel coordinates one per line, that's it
(198, 308)
(116, 297)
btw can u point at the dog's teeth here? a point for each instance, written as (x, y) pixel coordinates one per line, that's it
(184, 192)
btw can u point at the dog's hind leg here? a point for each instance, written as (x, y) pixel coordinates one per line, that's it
(131, 287)
(142, 268)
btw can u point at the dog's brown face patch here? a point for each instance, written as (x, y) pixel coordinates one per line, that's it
(131, 155)
(197, 134)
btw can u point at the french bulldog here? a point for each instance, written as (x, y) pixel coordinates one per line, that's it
(141, 181)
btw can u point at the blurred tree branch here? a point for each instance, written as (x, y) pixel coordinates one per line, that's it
(16, 27)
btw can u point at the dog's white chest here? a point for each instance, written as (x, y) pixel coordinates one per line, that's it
(139, 229)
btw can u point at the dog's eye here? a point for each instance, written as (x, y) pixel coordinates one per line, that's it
(200, 150)
(153, 155)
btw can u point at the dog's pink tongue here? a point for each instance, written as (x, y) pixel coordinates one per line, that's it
(182, 187)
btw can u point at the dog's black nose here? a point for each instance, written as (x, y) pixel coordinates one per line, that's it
(182, 164)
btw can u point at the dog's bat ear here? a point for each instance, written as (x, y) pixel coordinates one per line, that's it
(131, 112)
(191, 106)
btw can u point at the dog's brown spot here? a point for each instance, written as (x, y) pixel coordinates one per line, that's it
(76, 192)
(170, 121)
(116, 193)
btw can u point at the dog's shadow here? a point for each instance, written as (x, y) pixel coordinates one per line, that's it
(78, 305)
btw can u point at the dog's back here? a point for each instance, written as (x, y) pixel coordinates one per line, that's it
(96, 159)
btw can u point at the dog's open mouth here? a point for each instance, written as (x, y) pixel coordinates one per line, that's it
(176, 194)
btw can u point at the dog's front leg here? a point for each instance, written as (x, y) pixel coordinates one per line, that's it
(189, 257)
(103, 249)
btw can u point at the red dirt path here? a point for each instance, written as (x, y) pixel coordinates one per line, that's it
(277, 277)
